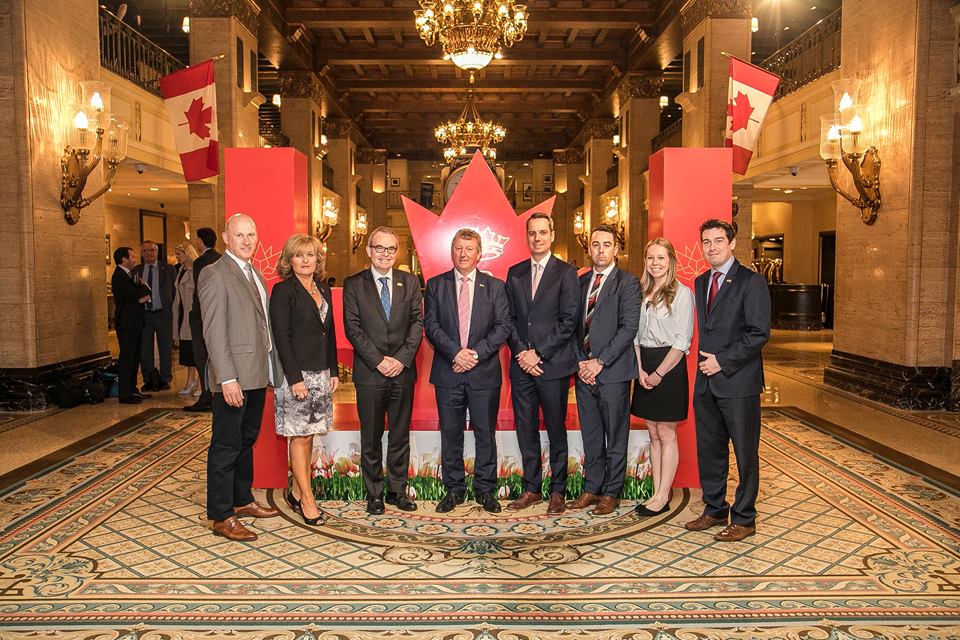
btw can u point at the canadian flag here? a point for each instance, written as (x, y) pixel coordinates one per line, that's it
(191, 100)
(748, 98)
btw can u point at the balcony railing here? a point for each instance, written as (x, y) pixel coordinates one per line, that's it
(813, 54)
(672, 136)
(271, 136)
(128, 54)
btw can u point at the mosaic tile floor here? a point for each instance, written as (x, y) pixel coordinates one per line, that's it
(111, 543)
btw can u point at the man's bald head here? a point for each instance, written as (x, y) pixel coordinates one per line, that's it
(240, 236)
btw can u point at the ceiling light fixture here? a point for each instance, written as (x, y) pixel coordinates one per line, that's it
(469, 132)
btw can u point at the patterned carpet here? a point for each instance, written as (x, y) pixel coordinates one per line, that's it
(109, 542)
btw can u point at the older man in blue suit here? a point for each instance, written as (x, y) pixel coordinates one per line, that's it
(466, 319)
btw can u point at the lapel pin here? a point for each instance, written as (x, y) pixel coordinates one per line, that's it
(480, 285)
(729, 280)
(399, 284)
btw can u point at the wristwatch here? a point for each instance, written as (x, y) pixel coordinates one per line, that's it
(600, 362)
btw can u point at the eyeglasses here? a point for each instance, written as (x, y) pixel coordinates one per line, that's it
(379, 248)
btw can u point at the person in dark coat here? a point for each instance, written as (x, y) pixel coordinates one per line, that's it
(129, 297)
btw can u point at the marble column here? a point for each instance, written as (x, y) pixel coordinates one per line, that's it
(227, 28)
(638, 98)
(372, 169)
(710, 29)
(301, 112)
(567, 168)
(598, 157)
(895, 280)
(342, 158)
(954, 404)
(743, 217)
(53, 300)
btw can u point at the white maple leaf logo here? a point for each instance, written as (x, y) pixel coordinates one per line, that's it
(690, 262)
(265, 260)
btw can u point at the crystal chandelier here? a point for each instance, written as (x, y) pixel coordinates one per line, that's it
(471, 32)
(469, 131)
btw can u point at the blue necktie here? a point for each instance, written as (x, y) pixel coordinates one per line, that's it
(385, 296)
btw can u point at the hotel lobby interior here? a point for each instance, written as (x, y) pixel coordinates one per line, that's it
(103, 532)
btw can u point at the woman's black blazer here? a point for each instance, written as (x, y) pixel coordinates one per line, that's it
(303, 341)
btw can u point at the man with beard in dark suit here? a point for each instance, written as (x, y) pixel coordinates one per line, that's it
(128, 296)
(542, 293)
(205, 241)
(383, 320)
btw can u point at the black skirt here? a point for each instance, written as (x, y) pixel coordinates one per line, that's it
(666, 402)
(186, 354)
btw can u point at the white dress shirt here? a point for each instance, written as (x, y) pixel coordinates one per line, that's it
(533, 268)
(471, 284)
(724, 269)
(376, 280)
(593, 274)
(660, 327)
(263, 304)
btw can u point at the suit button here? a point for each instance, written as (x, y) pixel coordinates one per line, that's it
(529, 324)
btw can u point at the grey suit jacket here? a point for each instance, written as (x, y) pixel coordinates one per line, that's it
(236, 328)
(614, 325)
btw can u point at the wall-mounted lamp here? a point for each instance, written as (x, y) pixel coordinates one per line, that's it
(580, 230)
(329, 218)
(618, 150)
(185, 25)
(359, 230)
(842, 138)
(664, 102)
(320, 151)
(754, 24)
(94, 131)
(611, 216)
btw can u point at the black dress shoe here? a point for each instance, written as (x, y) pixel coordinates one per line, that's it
(198, 407)
(643, 510)
(293, 502)
(488, 502)
(313, 521)
(375, 506)
(164, 387)
(401, 501)
(449, 502)
(143, 396)
(135, 399)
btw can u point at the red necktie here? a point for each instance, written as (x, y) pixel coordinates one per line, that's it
(714, 288)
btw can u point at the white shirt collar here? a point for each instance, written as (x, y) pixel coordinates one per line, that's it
(542, 262)
(242, 263)
(124, 268)
(377, 275)
(472, 276)
(725, 267)
(605, 272)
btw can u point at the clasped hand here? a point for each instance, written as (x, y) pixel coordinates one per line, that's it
(465, 360)
(589, 370)
(390, 367)
(529, 361)
(709, 365)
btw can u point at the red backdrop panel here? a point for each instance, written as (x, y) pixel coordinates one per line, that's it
(686, 187)
(269, 185)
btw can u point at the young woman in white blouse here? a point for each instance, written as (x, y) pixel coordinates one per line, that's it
(661, 393)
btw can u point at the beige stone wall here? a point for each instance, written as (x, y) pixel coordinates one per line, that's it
(801, 224)
(897, 48)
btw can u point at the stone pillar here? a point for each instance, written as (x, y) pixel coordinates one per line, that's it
(743, 218)
(223, 28)
(53, 311)
(722, 26)
(598, 156)
(341, 157)
(567, 168)
(639, 101)
(955, 208)
(372, 169)
(301, 111)
(893, 336)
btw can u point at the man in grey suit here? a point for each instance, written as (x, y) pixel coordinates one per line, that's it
(609, 315)
(242, 362)
(158, 316)
(733, 313)
(383, 320)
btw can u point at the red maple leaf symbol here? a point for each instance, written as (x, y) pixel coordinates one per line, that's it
(199, 118)
(480, 204)
(739, 110)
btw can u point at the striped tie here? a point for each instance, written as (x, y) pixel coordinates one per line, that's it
(537, 272)
(591, 304)
(463, 310)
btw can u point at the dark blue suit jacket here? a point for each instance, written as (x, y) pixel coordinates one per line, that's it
(614, 325)
(735, 330)
(545, 323)
(489, 328)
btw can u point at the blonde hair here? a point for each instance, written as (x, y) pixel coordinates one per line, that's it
(295, 244)
(467, 234)
(189, 251)
(668, 291)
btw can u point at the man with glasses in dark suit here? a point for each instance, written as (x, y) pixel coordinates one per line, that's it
(383, 320)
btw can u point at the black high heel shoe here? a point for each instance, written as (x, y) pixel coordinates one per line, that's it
(644, 511)
(293, 502)
(313, 521)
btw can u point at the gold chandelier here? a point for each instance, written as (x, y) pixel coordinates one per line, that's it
(469, 131)
(471, 32)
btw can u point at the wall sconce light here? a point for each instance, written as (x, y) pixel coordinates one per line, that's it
(277, 100)
(611, 216)
(754, 24)
(359, 230)
(664, 102)
(329, 218)
(321, 150)
(842, 138)
(580, 230)
(94, 131)
(619, 151)
(185, 25)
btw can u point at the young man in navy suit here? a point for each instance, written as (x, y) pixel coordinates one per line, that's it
(466, 320)
(609, 313)
(543, 293)
(733, 314)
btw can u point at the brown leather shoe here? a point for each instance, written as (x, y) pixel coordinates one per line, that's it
(556, 505)
(704, 522)
(233, 529)
(735, 533)
(585, 500)
(526, 499)
(256, 510)
(606, 506)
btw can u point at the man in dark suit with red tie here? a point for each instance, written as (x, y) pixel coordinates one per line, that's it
(733, 315)
(466, 319)
(607, 327)
(542, 292)
(383, 320)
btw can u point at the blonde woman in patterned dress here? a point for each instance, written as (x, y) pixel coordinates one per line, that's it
(301, 313)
